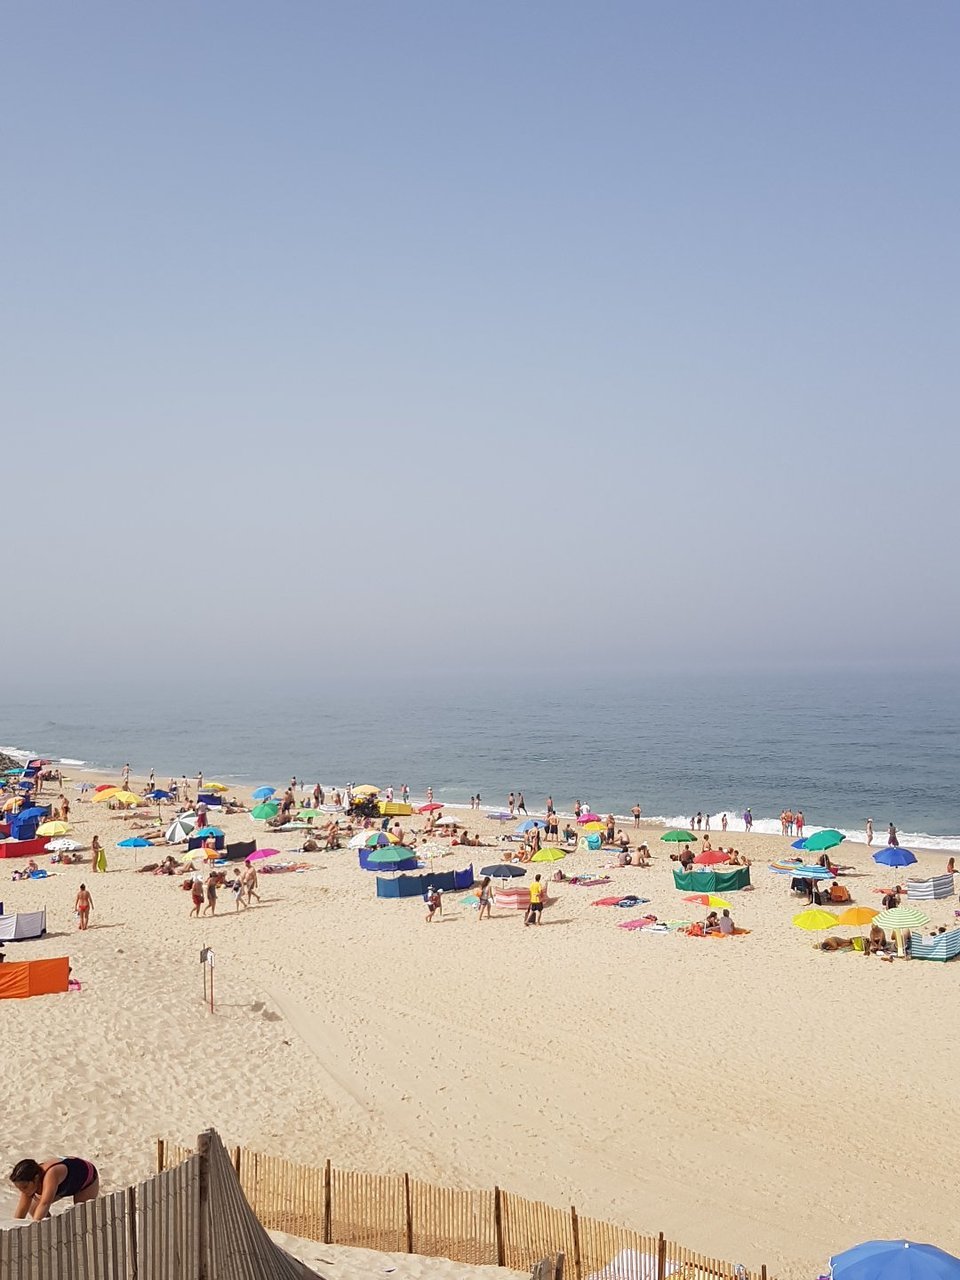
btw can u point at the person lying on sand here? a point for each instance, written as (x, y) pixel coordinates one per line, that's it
(834, 944)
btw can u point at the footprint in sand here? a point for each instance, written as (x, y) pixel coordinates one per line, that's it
(269, 1016)
(256, 1006)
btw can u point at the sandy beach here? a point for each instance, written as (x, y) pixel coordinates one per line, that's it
(752, 1098)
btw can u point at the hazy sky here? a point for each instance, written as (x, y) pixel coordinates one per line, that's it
(442, 337)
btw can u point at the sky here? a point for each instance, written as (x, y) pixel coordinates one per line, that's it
(459, 339)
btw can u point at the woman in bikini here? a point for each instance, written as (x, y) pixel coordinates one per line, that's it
(83, 906)
(486, 898)
(42, 1184)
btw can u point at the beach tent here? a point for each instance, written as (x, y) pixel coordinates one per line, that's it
(22, 925)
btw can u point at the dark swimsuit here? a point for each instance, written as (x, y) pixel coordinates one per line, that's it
(80, 1175)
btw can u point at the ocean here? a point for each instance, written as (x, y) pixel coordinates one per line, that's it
(840, 746)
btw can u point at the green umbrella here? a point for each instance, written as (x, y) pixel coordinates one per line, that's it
(306, 814)
(821, 840)
(390, 853)
(901, 918)
(678, 837)
(548, 854)
(269, 809)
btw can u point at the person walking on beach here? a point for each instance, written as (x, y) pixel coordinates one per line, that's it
(40, 1185)
(521, 804)
(250, 882)
(869, 831)
(199, 783)
(236, 888)
(723, 822)
(892, 836)
(196, 896)
(486, 898)
(536, 902)
(405, 794)
(83, 906)
(511, 803)
(434, 904)
(125, 776)
(747, 820)
(549, 805)
(211, 905)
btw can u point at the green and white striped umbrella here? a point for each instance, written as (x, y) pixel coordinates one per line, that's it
(901, 918)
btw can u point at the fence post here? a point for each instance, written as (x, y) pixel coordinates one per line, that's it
(408, 1205)
(236, 1162)
(203, 1216)
(498, 1225)
(763, 1271)
(132, 1235)
(575, 1227)
(661, 1257)
(327, 1204)
(160, 1155)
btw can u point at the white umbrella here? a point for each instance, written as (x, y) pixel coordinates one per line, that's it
(447, 822)
(182, 828)
(63, 845)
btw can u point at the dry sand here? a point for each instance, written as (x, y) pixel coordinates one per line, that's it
(752, 1098)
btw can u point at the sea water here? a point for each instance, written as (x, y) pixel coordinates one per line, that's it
(841, 746)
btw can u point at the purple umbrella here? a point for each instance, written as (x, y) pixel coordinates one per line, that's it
(261, 853)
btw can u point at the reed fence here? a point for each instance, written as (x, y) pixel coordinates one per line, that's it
(395, 1213)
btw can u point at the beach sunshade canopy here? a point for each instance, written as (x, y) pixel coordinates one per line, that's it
(706, 899)
(894, 856)
(677, 836)
(264, 793)
(497, 815)
(503, 871)
(593, 828)
(259, 854)
(815, 920)
(53, 828)
(589, 817)
(821, 840)
(432, 807)
(123, 797)
(269, 809)
(158, 795)
(133, 842)
(389, 854)
(711, 857)
(182, 828)
(448, 822)
(218, 787)
(366, 790)
(206, 833)
(894, 1260)
(548, 854)
(530, 823)
(858, 916)
(901, 918)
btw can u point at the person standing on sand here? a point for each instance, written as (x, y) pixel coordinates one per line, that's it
(798, 824)
(892, 836)
(747, 820)
(549, 805)
(83, 906)
(723, 822)
(250, 882)
(211, 905)
(486, 898)
(184, 796)
(433, 904)
(536, 902)
(196, 896)
(511, 803)
(125, 776)
(95, 852)
(236, 888)
(405, 794)
(869, 831)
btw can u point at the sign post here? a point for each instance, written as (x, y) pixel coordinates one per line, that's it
(206, 961)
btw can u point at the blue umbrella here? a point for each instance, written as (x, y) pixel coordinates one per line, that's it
(133, 842)
(503, 870)
(894, 1260)
(894, 856)
(529, 825)
(799, 844)
(32, 813)
(206, 832)
(264, 793)
(159, 795)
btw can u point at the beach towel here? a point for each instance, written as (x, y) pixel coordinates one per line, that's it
(643, 923)
(606, 902)
(632, 901)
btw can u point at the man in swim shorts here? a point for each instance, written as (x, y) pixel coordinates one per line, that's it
(536, 901)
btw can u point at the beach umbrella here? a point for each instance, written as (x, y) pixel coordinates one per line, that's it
(32, 812)
(589, 817)
(815, 920)
(269, 809)
(63, 846)
(706, 899)
(205, 833)
(711, 857)
(497, 815)
(503, 870)
(857, 916)
(432, 807)
(447, 822)
(391, 853)
(259, 854)
(123, 797)
(821, 840)
(133, 842)
(901, 918)
(677, 837)
(218, 788)
(894, 1260)
(802, 871)
(53, 828)
(156, 794)
(107, 786)
(594, 828)
(182, 828)
(548, 854)
(367, 789)
(892, 856)
(264, 793)
(529, 825)
(104, 793)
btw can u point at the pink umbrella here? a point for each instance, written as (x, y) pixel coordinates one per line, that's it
(589, 817)
(261, 853)
(710, 857)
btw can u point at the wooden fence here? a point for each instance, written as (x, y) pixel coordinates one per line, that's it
(190, 1222)
(394, 1213)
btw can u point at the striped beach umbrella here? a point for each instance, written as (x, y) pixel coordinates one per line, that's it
(182, 828)
(901, 918)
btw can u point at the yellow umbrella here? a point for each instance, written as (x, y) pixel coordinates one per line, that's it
(124, 797)
(366, 790)
(215, 786)
(815, 920)
(594, 826)
(53, 829)
(106, 794)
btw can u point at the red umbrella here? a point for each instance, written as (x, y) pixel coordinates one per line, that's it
(710, 857)
(107, 786)
(429, 808)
